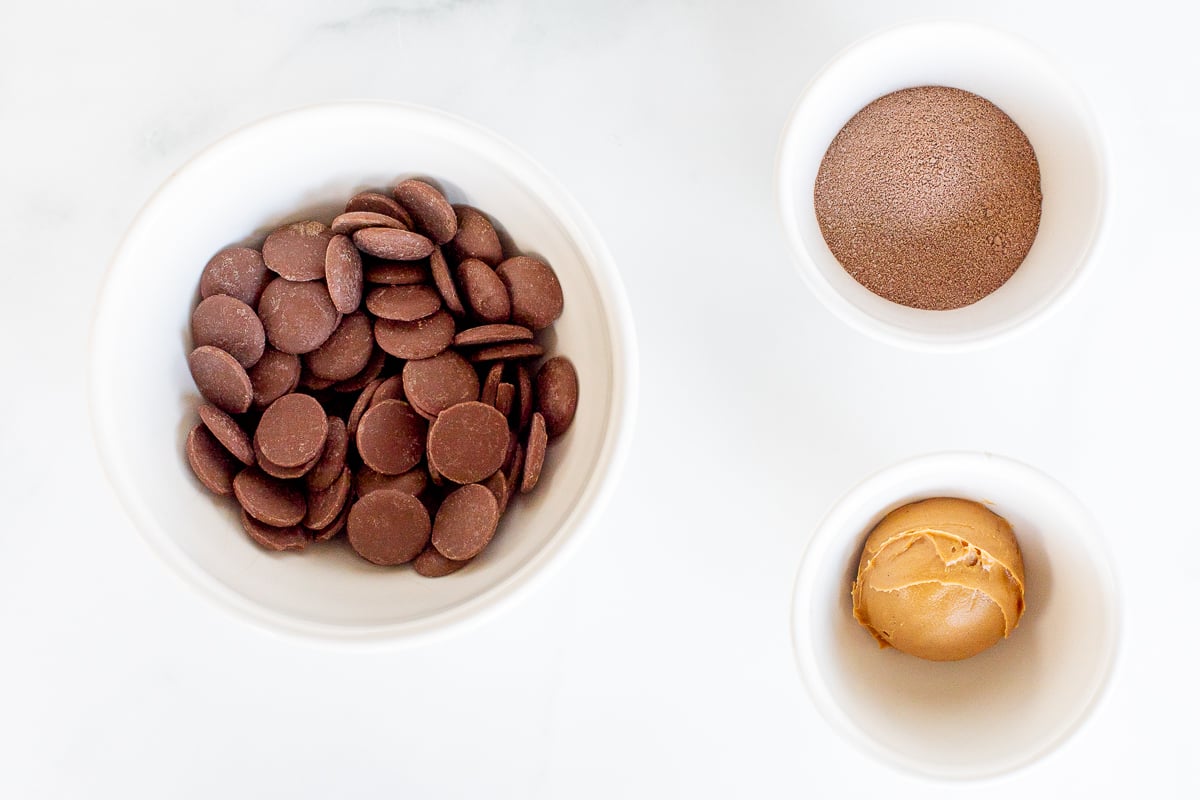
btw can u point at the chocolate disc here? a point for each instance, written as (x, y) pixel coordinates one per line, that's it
(476, 237)
(445, 282)
(432, 564)
(403, 303)
(422, 338)
(533, 289)
(344, 274)
(506, 352)
(413, 482)
(212, 463)
(333, 456)
(298, 317)
(491, 383)
(226, 431)
(369, 373)
(497, 484)
(346, 352)
(273, 376)
(468, 442)
(292, 430)
(492, 334)
(525, 398)
(535, 453)
(392, 244)
(228, 323)
(390, 437)
(505, 393)
(430, 210)
(312, 382)
(394, 273)
(379, 204)
(238, 272)
(514, 468)
(514, 444)
(221, 379)
(483, 290)
(388, 527)
(391, 389)
(333, 529)
(465, 523)
(274, 538)
(297, 251)
(435, 477)
(361, 404)
(352, 221)
(267, 499)
(283, 473)
(325, 504)
(434, 384)
(557, 394)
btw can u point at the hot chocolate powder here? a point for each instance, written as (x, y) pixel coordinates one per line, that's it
(930, 197)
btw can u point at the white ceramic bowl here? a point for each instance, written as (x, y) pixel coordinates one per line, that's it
(1030, 89)
(998, 710)
(298, 165)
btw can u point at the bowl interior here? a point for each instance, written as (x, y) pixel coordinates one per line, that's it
(301, 165)
(1003, 707)
(1029, 89)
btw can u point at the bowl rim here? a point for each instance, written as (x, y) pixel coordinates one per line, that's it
(597, 490)
(823, 538)
(864, 323)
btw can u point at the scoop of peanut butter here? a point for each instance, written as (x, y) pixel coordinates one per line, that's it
(940, 579)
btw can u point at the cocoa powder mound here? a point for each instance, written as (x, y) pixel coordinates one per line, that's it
(930, 197)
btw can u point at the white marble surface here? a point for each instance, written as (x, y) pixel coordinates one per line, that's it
(657, 662)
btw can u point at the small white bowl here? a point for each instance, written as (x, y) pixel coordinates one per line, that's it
(298, 165)
(1030, 89)
(996, 711)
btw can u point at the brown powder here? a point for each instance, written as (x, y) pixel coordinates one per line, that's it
(930, 197)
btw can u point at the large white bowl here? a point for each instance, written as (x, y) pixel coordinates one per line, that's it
(1032, 90)
(998, 710)
(298, 165)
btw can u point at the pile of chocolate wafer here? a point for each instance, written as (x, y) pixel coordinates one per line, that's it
(378, 376)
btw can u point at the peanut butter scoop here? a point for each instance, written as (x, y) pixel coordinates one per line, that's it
(940, 579)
